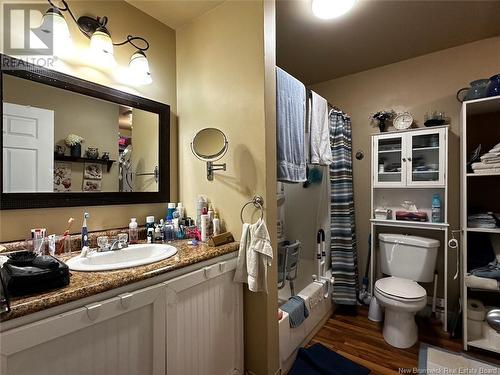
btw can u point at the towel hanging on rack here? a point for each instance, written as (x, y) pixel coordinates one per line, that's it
(255, 254)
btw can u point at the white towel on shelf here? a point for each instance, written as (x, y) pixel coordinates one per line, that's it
(482, 165)
(320, 150)
(492, 160)
(481, 282)
(490, 155)
(487, 171)
(254, 257)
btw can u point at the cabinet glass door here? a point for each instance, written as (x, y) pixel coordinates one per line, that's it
(388, 167)
(426, 158)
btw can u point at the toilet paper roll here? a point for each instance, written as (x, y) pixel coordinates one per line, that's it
(475, 310)
(474, 329)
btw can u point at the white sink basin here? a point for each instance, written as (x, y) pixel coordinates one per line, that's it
(132, 256)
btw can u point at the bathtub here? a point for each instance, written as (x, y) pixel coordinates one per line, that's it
(319, 306)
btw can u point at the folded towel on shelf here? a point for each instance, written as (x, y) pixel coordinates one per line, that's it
(490, 155)
(483, 165)
(321, 152)
(492, 160)
(296, 309)
(483, 220)
(477, 282)
(487, 171)
(291, 112)
(490, 271)
(254, 257)
(495, 148)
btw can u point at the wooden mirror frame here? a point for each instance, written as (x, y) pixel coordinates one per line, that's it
(66, 82)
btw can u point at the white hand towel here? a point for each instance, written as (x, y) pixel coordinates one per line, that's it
(241, 275)
(254, 257)
(259, 257)
(320, 150)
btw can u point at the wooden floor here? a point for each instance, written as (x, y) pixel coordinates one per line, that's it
(361, 340)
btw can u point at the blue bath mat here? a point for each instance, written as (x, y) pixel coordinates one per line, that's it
(319, 360)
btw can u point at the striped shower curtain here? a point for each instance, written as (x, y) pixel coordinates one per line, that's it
(343, 253)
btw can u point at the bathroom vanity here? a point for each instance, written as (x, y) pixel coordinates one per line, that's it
(177, 316)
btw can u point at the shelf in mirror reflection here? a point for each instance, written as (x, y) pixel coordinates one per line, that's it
(74, 159)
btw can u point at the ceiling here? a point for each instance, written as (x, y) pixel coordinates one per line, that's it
(175, 13)
(375, 33)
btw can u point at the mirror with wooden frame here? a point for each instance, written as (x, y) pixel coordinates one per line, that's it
(70, 142)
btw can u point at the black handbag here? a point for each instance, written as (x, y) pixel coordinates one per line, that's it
(35, 277)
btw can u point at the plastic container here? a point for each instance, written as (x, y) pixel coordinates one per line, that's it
(180, 210)
(150, 228)
(205, 225)
(216, 224)
(200, 205)
(170, 211)
(133, 232)
(436, 209)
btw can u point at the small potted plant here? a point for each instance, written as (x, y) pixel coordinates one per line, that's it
(381, 117)
(74, 142)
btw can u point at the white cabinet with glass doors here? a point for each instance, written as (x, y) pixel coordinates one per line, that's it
(412, 158)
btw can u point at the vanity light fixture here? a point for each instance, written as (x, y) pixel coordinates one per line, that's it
(101, 43)
(328, 9)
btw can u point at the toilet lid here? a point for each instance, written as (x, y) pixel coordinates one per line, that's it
(402, 288)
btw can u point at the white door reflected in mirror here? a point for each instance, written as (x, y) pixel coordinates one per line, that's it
(210, 144)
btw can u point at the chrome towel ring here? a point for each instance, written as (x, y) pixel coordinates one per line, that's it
(258, 202)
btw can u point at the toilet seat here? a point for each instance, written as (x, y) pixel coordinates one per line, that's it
(400, 289)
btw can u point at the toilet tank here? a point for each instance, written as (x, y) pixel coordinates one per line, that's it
(409, 257)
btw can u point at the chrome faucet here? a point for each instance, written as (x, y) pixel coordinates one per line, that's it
(118, 245)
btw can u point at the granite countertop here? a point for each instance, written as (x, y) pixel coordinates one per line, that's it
(85, 284)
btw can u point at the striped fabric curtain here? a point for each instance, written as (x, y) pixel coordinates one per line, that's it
(343, 253)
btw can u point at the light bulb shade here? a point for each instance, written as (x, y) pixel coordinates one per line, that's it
(101, 47)
(328, 9)
(101, 42)
(53, 23)
(139, 68)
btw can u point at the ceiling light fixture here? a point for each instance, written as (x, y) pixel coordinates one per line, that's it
(101, 44)
(328, 9)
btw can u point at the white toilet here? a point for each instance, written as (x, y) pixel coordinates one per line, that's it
(407, 259)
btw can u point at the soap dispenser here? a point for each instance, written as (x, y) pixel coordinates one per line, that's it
(133, 232)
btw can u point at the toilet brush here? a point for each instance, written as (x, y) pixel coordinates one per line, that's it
(375, 311)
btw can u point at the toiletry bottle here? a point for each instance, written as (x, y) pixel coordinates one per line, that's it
(216, 224)
(150, 233)
(180, 210)
(204, 227)
(436, 209)
(200, 205)
(133, 232)
(170, 211)
(168, 232)
(158, 237)
(150, 228)
(210, 214)
(85, 232)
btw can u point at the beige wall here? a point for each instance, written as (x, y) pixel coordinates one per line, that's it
(222, 83)
(124, 19)
(93, 119)
(418, 85)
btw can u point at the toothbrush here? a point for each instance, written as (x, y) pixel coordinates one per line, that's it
(85, 237)
(70, 223)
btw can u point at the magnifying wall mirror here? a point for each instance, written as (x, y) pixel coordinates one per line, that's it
(210, 144)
